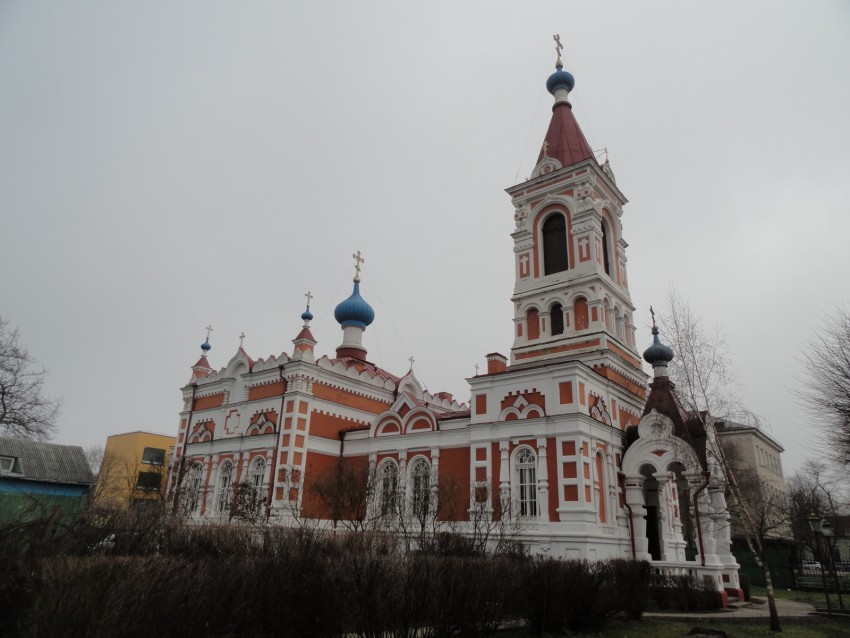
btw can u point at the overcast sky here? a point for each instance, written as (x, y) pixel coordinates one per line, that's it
(165, 165)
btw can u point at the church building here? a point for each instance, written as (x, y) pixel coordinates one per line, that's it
(564, 445)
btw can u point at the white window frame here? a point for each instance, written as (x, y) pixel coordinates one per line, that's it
(224, 491)
(524, 474)
(387, 499)
(193, 485)
(417, 469)
(257, 477)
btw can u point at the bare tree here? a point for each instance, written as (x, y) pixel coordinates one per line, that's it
(94, 457)
(708, 388)
(767, 505)
(825, 390)
(347, 494)
(25, 411)
(247, 503)
(820, 491)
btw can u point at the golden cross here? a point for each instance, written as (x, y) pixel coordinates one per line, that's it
(558, 46)
(358, 259)
(241, 339)
(309, 296)
(652, 312)
(209, 329)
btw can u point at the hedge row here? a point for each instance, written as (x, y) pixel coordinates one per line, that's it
(166, 579)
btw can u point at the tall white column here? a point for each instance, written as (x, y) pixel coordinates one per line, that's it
(542, 481)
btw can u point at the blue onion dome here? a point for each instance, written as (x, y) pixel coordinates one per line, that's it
(560, 79)
(205, 346)
(657, 354)
(307, 315)
(354, 311)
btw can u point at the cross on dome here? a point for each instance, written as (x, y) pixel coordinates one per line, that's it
(558, 46)
(652, 312)
(205, 346)
(309, 296)
(241, 339)
(358, 259)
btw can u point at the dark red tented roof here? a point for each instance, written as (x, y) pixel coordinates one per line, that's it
(565, 141)
(202, 363)
(305, 334)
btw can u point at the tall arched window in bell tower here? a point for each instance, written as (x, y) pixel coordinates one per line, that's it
(555, 257)
(606, 260)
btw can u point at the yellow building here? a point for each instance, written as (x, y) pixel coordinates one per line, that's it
(134, 469)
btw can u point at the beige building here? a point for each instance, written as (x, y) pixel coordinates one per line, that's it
(756, 459)
(134, 469)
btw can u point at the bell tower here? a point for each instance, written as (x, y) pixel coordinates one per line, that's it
(571, 296)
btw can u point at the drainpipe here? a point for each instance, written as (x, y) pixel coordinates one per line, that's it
(707, 475)
(622, 476)
(181, 468)
(276, 451)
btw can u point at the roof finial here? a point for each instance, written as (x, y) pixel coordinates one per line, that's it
(558, 48)
(307, 316)
(545, 148)
(358, 259)
(205, 346)
(209, 329)
(241, 339)
(476, 369)
(411, 359)
(654, 325)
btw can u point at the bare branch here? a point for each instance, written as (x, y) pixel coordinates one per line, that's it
(825, 389)
(25, 412)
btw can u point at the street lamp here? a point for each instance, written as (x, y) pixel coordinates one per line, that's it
(821, 527)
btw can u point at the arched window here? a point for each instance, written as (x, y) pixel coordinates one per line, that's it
(420, 493)
(555, 255)
(258, 473)
(526, 476)
(225, 487)
(388, 486)
(192, 494)
(581, 313)
(533, 321)
(556, 314)
(606, 260)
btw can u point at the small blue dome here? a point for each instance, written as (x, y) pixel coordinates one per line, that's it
(657, 354)
(354, 311)
(560, 79)
(307, 315)
(205, 346)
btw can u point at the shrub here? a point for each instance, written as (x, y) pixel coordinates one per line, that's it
(684, 593)
(119, 573)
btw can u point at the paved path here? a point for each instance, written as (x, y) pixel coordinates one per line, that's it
(755, 609)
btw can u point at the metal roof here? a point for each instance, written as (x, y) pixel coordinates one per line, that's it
(48, 461)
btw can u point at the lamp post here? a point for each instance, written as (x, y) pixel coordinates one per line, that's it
(818, 527)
